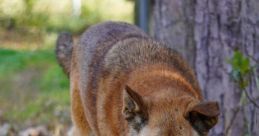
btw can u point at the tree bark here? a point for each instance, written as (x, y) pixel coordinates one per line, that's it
(207, 32)
(173, 24)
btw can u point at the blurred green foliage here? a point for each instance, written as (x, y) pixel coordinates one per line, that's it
(240, 69)
(48, 15)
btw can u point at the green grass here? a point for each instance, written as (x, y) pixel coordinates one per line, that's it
(34, 91)
(33, 87)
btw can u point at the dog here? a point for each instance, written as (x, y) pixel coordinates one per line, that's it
(124, 83)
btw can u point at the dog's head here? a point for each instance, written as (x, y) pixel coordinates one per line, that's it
(166, 116)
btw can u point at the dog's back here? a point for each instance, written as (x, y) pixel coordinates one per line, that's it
(120, 47)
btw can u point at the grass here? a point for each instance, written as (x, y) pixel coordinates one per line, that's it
(33, 87)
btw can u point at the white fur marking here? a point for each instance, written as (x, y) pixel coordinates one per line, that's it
(146, 131)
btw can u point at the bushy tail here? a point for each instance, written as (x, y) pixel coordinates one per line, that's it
(64, 48)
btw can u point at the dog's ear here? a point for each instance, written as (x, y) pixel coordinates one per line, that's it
(132, 103)
(204, 116)
(134, 108)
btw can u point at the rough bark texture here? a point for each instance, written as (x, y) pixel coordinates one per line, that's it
(173, 24)
(206, 32)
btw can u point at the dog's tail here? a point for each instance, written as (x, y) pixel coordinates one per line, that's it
(64, 47)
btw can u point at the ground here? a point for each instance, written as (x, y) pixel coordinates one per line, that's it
(34, 90)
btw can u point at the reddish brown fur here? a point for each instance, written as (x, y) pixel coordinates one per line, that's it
(110, 56)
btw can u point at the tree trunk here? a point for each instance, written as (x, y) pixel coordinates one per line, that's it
(206, 32)
(173, 24)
